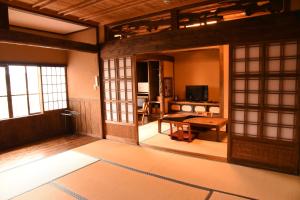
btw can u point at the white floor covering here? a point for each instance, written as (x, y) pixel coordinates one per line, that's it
(24, 178)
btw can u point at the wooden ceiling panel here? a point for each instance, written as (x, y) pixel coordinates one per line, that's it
(107, 11)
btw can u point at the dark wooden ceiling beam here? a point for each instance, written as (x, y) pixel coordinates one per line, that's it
(262, 28)
(29, 39)
(4, 21)
(50, 13)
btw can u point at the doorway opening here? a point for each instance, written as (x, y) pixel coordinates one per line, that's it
(183, 101)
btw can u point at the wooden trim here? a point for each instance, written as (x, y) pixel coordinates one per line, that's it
(154, 57)
(27, 92)
(121, 139)
(134, 100)
(229, 127)
(33, 63)
(18, 37)
(4, 21)
(269, 27)
(9, 99)
(221, 80)
(185, 153)
(47, 12)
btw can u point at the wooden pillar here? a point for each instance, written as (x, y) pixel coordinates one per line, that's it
(101, 87)
(4, 22)
(175, 19)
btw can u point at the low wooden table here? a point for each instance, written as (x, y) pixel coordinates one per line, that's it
(177, 117)
(208, 122)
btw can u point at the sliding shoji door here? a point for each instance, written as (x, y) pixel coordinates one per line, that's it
(120, 100)
(264, 105)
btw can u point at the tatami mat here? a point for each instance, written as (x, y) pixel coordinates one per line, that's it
(108, 182)
(245, 181)
(151, 129)
(27, 177)
(222, 196)
(45, 192)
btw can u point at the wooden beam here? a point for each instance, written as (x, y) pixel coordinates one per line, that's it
(18, 37)
(262, 28)
(175, 19)
(50, 13)
(4, 21)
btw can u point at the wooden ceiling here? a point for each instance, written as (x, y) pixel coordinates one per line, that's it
(103, 11)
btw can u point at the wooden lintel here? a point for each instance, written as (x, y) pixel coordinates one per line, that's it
(154, 57)
(4, 22)
(18, 37)
(262, 28)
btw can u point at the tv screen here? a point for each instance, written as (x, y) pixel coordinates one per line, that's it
(196, 93)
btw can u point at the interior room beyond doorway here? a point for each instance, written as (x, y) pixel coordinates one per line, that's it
(194, 85)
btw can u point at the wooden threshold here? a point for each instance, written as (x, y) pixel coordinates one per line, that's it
(185, 153)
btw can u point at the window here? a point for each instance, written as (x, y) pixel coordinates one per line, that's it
(54, 88)
(18, 88)
(4, 114)
(27, 90)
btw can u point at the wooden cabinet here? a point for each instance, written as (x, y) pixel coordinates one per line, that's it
(186, 106)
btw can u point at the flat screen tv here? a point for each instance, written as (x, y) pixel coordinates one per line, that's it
(196, 92)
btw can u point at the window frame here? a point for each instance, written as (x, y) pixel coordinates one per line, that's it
(40, 85)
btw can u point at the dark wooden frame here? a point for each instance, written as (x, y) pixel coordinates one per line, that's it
(260, 142)
(269, 27)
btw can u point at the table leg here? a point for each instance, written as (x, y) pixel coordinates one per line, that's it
(159, 125)
(218, 134)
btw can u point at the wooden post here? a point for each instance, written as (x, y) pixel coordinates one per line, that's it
(4, 21)
(101, 87)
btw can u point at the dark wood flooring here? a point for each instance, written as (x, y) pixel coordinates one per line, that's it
(35, 151)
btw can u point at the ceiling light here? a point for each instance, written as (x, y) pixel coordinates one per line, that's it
(117, 35)
(211, 22)
(193, 25)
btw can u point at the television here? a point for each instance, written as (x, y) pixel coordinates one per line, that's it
(196, 92)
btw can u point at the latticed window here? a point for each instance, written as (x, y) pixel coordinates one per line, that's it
(118, 90)
(264, 90)
(31, 89)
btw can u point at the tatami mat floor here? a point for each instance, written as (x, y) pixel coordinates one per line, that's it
(114, 170)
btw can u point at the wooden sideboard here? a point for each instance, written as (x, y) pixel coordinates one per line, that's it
(187, 106)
